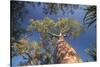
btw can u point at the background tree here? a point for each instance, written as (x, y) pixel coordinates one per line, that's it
(30, 51)
(90, 16)
(90, 20)
(92, 52)
(16, 20)
(53, 8)
(33, 53)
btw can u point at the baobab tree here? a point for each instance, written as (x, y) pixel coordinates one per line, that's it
(55, 32)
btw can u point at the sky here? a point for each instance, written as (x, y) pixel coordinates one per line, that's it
(80, 43)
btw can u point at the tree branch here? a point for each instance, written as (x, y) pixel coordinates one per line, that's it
(53, 35)
(30, 58)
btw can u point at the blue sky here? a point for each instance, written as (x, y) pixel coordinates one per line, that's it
(80, 43)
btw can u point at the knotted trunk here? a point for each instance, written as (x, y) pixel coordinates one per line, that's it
(64, 53)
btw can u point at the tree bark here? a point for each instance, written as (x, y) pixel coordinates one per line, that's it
(64, 53)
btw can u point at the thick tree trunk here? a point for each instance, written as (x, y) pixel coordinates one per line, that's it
(64, 53)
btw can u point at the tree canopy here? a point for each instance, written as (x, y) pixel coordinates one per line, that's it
(67, 26)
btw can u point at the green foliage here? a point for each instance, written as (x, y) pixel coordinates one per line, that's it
(42, 26)
(21, 46)
(90, 16)
(92, 52)
(31, 51)
(64, 25)
(53, 8)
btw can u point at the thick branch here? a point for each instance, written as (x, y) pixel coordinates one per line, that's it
(53, 35)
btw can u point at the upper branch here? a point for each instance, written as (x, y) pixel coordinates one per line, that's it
(53, 35)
